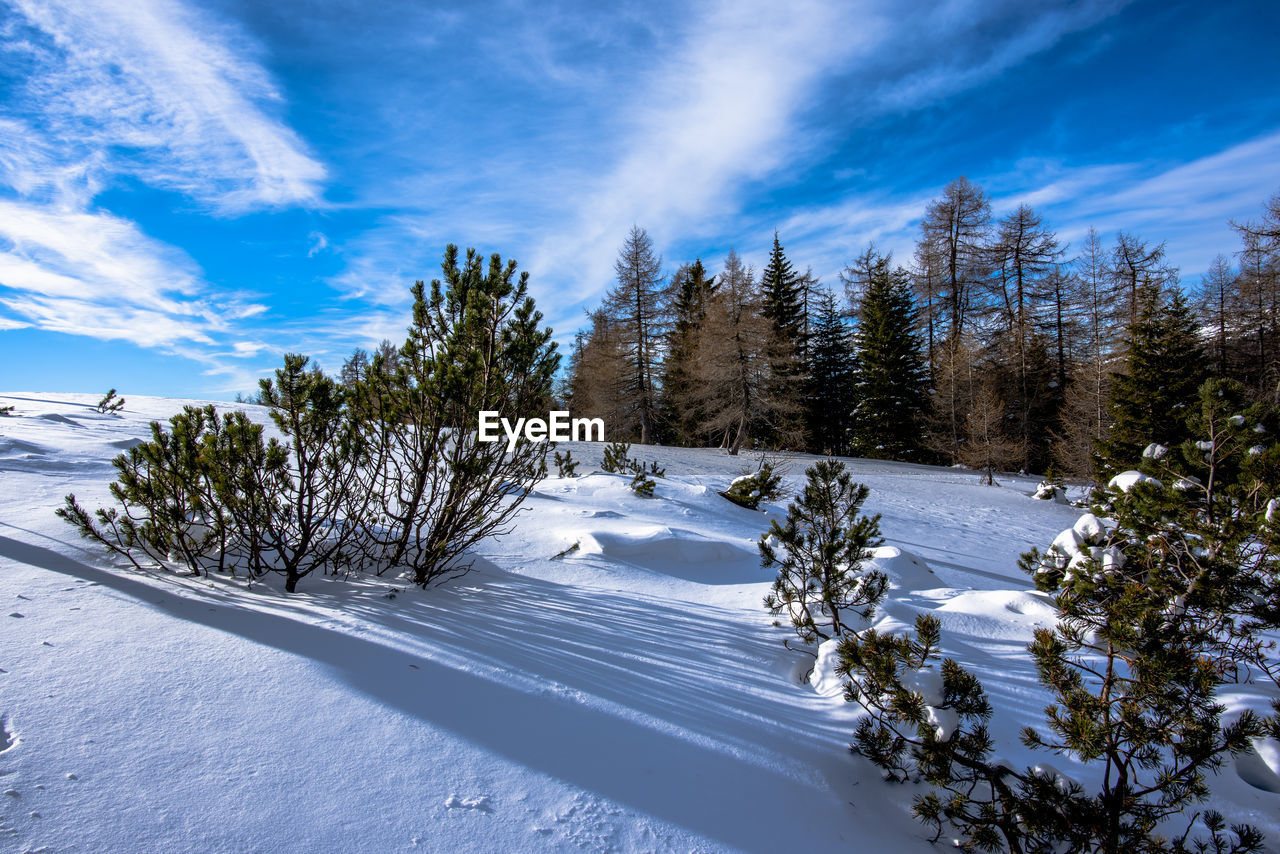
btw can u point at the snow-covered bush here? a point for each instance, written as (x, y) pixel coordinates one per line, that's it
(819, 555)
(750, 490)
(1163, 595)
(617, 461)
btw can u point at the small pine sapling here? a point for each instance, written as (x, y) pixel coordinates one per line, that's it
(642, 484)
(6, 410)
(566, 465)
(616, 460)
(820, 555)
(110, 403)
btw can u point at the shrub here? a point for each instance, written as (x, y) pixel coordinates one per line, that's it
(566, 465)
(750, 490)
(110, 403)
(819, 555)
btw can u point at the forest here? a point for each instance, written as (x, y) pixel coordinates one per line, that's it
(997, 345)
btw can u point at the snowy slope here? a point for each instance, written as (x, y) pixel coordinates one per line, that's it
(631, 695)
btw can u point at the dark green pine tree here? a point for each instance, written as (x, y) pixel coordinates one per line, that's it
(890, 396)
(1151, 400)
(782, 291)
(831, 377)
(693, 289)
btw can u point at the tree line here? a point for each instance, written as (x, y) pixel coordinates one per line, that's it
(997, 345)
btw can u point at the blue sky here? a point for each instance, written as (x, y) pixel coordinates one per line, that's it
(187, 191)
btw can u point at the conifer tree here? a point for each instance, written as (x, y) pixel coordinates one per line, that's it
(732, 392)
(692, 289)
(1151, 401)
(820, 555)
(783, 306)
(1158, 608)
(890, 401)
(476, 343)
(831, 380)
(634, 305)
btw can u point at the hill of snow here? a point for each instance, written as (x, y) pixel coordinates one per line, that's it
(629, 695)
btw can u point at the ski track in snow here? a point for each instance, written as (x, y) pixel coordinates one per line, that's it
(631, 695)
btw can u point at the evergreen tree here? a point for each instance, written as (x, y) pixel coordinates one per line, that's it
(476, 343)
(831, 380)
(783, 307)
(1150, 402)
(1158, 608)
(692, 290)
(890, 400)
(733, 393)
(820, 554)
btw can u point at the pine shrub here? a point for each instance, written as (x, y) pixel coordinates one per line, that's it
(820, 553)
(110, 403)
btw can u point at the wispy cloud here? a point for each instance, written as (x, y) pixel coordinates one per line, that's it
(168, 94)
(98, 275)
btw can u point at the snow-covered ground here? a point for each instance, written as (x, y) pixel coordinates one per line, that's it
(631, 695)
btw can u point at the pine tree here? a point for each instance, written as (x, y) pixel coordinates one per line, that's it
(831, 380)
(1158, 608)
(890, 402)
(692, 289)
(1023, 257)
(820, 555)
(1150, 402)
(783, 306)
(476, 343)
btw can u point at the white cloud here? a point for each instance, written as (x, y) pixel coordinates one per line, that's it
(98, 275)
(169, 96)
(720, 111)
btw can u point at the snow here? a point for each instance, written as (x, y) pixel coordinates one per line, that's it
(631, 695)
(1127, 479)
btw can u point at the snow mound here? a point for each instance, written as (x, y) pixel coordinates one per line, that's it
(1127, 479)
(1260, 767)
(1001, 603)
(661, 544)
(17, 446)
(823, 678)
(60, 419)
(905, 570)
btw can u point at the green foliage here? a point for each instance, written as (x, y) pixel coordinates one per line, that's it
(616, 457)
(1151, 399)
(750, 490)
(642, 484)
(890, 400)
(110, 403)
(169, 511)
(566, 465)
(6, 410)
(819, 555)
(1158, 609)
(476, 343)
(693, 291)
(617, 461)
(383, 470)
(830, 382)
